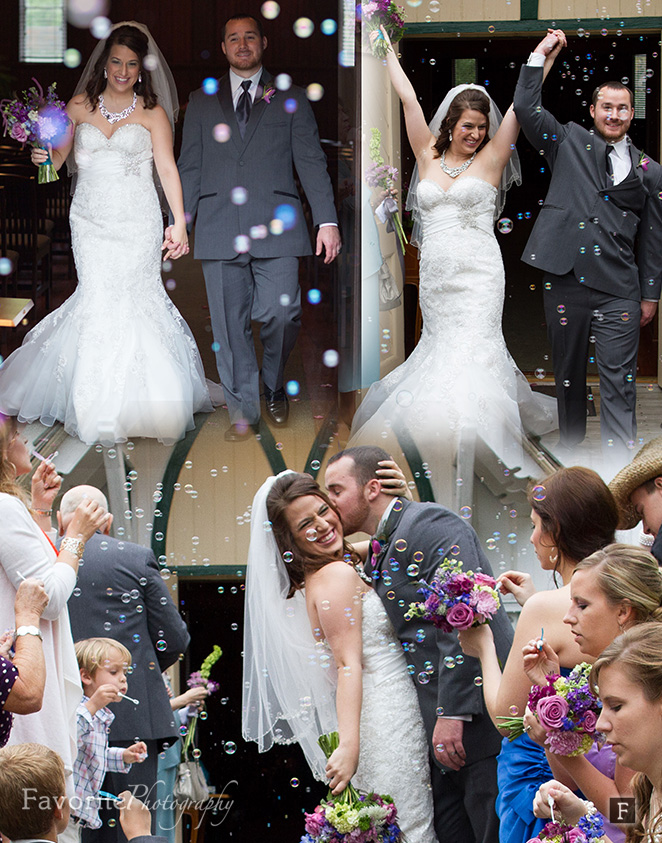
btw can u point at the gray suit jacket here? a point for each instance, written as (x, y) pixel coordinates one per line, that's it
(432, 530)
(115, 580)
(586, 226)
(281, 135)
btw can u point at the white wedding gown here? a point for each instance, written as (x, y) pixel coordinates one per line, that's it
(460, 379)
(116, 360)
(393, 755)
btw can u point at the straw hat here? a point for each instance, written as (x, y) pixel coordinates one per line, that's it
(647, 465)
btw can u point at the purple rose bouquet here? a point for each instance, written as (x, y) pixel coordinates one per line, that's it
(456, 599)
(382, 175)
(199, 679)
(590, 827)
(568, 711)
(351, 817)
(38, 120)
(384, 13)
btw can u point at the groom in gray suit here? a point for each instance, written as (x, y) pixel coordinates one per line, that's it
(240, 149)
(413, 540)
(604, 194)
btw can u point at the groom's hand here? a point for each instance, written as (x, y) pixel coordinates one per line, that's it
(648, 310)
(447, 743)
(328, 238)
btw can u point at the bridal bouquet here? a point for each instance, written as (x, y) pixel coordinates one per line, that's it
(588, 828)
(351, 817)
(568, 711)
(36, 119)
(384, 13)
(456, 599)
(384, 176)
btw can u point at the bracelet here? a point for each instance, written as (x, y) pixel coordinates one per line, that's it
(73, 546)
(43, 511)
(591, 824)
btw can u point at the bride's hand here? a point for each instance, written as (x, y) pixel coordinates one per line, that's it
(378, 34)
(39, 155)
(392, 479)
(340, 768)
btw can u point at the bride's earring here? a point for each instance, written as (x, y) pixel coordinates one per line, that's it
(450, 137)
(105, 73)
(554, 556)
(140, 77)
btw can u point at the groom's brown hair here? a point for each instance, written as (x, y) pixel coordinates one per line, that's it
(366, 459)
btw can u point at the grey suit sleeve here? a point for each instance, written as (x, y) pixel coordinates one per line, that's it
(310, 162)
(190, 159)
(542, 129)
(163, 620)
(649, 248)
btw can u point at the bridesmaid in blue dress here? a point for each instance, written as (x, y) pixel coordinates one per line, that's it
(573, 514)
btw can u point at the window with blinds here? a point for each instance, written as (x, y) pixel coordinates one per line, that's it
(42, 30)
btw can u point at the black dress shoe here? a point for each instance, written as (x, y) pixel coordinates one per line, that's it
(277, 406)
(237, 433)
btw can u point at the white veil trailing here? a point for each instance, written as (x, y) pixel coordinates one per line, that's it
(163, 82)
(512, 173)
(289, 679)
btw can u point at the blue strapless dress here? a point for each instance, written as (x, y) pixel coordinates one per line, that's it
(521, 768)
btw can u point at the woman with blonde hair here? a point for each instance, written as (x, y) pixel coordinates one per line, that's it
(628, 678)
(613, 590)
(25, 552)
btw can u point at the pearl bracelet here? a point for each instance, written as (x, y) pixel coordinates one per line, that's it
(73, 546)
(590, 808)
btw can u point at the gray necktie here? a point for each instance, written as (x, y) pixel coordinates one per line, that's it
(244, 105)
(609, 164)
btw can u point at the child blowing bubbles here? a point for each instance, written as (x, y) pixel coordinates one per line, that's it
(103, 664)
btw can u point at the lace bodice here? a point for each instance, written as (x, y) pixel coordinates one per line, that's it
(468, 203)
(127, 152)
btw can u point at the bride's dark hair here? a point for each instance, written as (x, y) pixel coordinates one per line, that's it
(136, 41)
(285, 490)
(470, 98)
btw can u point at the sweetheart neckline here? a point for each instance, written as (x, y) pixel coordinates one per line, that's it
(118, 129)
(457, 181)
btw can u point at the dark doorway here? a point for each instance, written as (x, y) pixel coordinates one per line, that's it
(434, 67)
(269, 792)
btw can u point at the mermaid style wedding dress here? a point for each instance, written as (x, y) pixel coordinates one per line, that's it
(393, 757)
(116, 360)
(460, 380)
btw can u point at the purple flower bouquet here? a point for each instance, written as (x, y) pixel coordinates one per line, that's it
(384, 13)
(588, 828)
(37, 119)
(456, 599)
(568, 711)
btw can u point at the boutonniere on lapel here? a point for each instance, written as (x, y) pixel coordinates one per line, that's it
(644, 161)
(267, 94)
(377, 544)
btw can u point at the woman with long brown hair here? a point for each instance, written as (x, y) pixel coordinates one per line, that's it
(116, 360)
(320, 655)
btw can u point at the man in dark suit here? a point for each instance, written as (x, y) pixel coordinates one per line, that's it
(121, 595)
(240, 149)
(603, 194)
(413, 540)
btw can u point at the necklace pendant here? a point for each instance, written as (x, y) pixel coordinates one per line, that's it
(454, 172)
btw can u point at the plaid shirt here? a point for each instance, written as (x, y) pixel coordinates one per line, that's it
(94, 759)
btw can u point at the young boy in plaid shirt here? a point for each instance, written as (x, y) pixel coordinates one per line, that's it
(103, 664)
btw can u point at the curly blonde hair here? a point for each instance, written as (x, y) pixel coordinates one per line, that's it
(8, 484)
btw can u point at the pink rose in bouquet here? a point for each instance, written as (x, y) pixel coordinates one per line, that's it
(460, 616)
(590, 721)
(552, 711)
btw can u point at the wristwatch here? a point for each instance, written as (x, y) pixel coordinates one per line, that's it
(28, 630)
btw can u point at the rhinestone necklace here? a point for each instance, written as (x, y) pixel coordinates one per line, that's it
(454, 172)
(113, 117)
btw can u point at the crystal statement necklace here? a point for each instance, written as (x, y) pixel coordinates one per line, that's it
(113, 117)
(454, 172)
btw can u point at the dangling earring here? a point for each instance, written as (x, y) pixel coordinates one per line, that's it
(140, 77)
(554, 556)
(105, 73)
(450, 137)
(621, 628)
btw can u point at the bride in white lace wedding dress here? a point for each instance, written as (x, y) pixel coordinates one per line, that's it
(116, 360)
(327, 659)
(460, 382)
